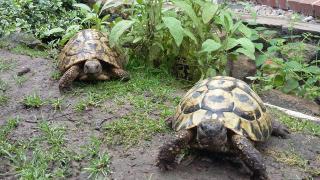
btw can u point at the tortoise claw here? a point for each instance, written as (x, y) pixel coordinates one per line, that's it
(165, 165)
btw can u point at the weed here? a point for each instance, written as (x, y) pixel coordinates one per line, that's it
(133, 128)
(55, 75)
(20, 79)
(99, 166)
(3, 85)
(290, 158)
(6, 65)
(297, 124)
(21, 49)
(56, 103)
(3, 99)
(32, 101)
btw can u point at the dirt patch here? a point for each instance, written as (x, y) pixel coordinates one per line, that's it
(133, 163)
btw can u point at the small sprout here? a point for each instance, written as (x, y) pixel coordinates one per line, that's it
(55, 75)
(56, 103)
(5, 65)
(20, 79)
(3, 99)
(33, 101)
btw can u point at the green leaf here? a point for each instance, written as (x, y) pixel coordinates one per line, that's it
(294, 66)
(139, 1)
(188, 10)
(209, 10)
(247, 44)
(278, 80)
(290, 85)
(231, 43)
(118, 30)
(96, 7)
(210, 45)
(211, 72)
(175, 28)
(137, 39)
(190, 35)
(258, 46)
(83, 6)
(246, 52)
(245, 30)
(53, 31)
(261, 59)
(110, 4)
(313, 69)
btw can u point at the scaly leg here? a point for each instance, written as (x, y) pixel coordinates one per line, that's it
(250, 156)
(171, 149)
(120, 73)
(68, 77)
(279, 130)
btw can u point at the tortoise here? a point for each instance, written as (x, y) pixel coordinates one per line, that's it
(223, 115)
(87, 56)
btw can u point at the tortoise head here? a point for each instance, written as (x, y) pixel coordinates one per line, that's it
(212, 133)
(92, 67)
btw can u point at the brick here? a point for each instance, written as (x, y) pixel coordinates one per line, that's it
(303, 6)
(293, 4)
(316, 8)
(282, 4)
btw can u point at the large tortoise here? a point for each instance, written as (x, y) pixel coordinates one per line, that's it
(87, 56)
(222, 114)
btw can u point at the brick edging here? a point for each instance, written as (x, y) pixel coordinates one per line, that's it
(306, 7)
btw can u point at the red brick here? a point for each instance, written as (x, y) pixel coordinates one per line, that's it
(282, 4)
(293, 4)
(316, 8)
(272, 3)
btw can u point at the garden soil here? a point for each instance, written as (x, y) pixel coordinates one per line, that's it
(137, 162)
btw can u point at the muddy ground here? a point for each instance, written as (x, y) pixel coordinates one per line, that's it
(137, 161)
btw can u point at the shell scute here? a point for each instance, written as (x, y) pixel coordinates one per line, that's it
(228, 100)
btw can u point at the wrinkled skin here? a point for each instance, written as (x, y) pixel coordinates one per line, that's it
(214, 137)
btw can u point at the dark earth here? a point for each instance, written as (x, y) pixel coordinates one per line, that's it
(137, 162)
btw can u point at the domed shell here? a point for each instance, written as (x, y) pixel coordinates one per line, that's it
(228, 100)
(87, 44)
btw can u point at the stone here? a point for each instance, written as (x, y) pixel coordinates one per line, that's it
(299, 50)
(278, 98)
(241, 68)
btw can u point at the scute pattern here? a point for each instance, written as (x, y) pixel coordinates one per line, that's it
(228, 100)
(87, 44)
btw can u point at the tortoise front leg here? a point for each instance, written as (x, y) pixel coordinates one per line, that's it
(279, 130)
(120, 73)
(68, 77)
(250, 156)
(171, 149)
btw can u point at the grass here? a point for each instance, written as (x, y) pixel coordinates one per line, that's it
(56, 103)
(3, 99)
(292, 158)
(19, 80)
(295, 124)
(6, 65)
(22, 49)
(55, 75)
(33, 101)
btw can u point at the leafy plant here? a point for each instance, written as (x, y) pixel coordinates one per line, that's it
(33, 100)
(201, 33)
(33, 17)
(292, 75)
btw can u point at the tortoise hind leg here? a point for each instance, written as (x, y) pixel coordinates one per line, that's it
(171, 149)
(120, 73)
(250, 156)
(68, 77)
(279, 130)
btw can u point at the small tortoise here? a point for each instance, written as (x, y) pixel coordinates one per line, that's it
(222, 114)
(87, 56)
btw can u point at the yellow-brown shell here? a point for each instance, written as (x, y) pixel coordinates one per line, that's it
(228, 100)
(87, 44)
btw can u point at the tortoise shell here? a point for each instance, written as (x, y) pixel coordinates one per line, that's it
(228, 100)
(87, 44)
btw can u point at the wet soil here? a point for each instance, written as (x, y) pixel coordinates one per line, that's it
(137, 162)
